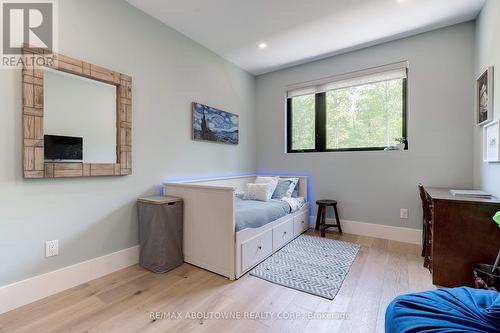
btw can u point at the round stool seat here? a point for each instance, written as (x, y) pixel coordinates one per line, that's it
(326, 202)
(321, 219)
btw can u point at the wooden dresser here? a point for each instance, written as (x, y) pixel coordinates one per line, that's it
(463, 233)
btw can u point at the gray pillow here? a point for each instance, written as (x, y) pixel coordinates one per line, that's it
(281, 189)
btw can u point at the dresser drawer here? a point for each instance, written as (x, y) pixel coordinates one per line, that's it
(256, 249)
(282, 234)
(300, 223)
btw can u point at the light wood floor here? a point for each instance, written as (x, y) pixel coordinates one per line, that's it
(123, 301)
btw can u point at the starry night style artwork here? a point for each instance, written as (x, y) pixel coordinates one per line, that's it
(210, 124)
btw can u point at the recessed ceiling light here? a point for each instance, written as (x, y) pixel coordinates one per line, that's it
(401, 1)
(262, 46)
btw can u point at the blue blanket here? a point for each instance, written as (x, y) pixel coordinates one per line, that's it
(255, 214)
(445, 310)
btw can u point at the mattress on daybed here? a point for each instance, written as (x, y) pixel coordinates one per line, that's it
(255, 214)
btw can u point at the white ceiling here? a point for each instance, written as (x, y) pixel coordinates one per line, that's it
(298, 31)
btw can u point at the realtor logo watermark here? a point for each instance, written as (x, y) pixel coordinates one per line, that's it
(26, 23)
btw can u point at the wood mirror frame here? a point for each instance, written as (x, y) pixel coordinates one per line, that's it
(34, 165)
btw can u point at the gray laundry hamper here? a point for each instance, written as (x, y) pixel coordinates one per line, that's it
(160, 233)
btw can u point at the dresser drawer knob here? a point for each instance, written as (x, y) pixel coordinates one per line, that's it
(260, 247)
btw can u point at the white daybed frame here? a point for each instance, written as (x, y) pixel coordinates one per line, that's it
(210, 238)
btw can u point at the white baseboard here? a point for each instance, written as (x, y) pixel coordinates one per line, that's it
(400, 234)
(30, 290)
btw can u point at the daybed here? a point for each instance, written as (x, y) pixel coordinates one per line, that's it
(222, 233)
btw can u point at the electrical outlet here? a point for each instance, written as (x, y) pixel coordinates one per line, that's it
(51, 248)
(403, 213)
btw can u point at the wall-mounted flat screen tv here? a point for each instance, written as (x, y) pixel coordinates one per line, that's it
(63, 148)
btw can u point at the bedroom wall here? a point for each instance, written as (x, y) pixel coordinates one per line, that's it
(372, 186)
(487, 175)
(94, 217)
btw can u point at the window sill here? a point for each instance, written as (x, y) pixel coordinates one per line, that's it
(346, 150)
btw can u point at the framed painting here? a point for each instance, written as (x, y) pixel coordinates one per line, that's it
(214, 125)
(484, 97)
(491, 142)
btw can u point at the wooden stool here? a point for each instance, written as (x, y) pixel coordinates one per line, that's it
(320, 220)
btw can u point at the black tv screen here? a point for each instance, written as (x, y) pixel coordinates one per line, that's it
(63, 148)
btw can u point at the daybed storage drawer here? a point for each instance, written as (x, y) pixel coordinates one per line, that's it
(282, 234)
(300, 223)
(256, 249)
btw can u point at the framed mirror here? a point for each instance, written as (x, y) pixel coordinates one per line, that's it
(77, 118)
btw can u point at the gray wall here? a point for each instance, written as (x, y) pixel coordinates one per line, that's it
(487, 175)
(373, 186)
(94, 217)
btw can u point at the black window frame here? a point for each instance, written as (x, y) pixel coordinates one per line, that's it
(320, 126)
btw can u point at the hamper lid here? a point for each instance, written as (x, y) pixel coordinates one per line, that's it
(159, 200)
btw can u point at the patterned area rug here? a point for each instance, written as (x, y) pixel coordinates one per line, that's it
(314, 265)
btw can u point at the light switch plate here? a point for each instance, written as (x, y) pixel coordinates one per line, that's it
(403, 214)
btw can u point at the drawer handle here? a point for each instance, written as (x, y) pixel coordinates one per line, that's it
(303, 222)
(284, 232)
(260, 247)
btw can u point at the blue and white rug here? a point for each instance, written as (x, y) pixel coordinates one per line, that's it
(314, 265)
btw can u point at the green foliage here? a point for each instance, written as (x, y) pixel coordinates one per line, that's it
(364, 116)
(356, 117)
(303, 122)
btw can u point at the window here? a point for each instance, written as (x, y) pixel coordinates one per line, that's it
(359, 111)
